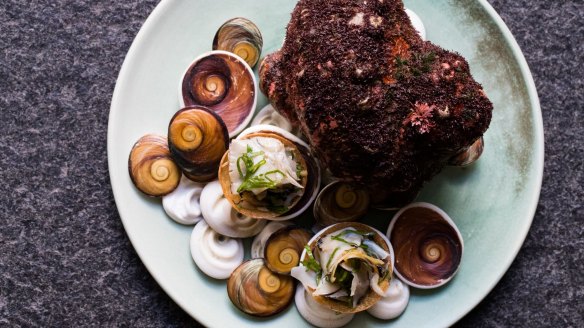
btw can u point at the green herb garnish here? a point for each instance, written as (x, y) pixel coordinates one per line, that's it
(366, 234)
(342, 276)
(266, 180)
(278, 208)
(260, 181)
(328, 263)
(298, 169)
(310, 263)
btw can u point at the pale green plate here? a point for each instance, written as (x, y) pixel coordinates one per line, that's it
(492, 202)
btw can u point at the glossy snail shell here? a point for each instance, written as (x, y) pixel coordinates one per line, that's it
(340, 202)
(371, 297)
(242, 37)
(257, 291)
(216, 255)
(197, 138)
(428, 245)
(151, 167)
(468, 155)
(236, 200)
(225, 84)
(314, 172)
(259, 241)
(283, 249)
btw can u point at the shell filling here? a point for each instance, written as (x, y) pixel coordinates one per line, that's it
(344, 265)
(264, 172)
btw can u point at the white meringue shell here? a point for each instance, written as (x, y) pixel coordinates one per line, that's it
(223, 218)
(395, 301)
(417, 23)
(182, 205)
(318, 314)
(268, 115)
(216, 255)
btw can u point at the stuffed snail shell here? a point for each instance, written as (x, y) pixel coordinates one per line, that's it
(346, 267)
(263, 175)
(313, 169)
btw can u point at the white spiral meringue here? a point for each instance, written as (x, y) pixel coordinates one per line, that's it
(182, 205)
(318, 314)
(223, 218)
(216, 255)
(393, 304)
(257, 246)
(417, 23)
(268, 115)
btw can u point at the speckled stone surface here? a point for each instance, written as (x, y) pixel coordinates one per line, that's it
(65, 259)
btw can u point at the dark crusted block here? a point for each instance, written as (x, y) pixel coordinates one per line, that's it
(379, 105)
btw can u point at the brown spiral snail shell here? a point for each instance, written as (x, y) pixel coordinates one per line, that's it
(283, 249)
(340, 202)
(257, 291)
(197, 138)
(428, 245)
(469, 155)
(225, 84)
(242, 37)
(151, 166)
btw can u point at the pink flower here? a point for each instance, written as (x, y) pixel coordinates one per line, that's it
(420, 117)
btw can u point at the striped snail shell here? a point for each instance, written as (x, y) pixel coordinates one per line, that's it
(197, 139)
(257, 291)
(242, 37)
(151, 166)
(428, 245)
(340, 202)
(223, 83)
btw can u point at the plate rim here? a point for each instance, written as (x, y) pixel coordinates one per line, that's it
(539, 150)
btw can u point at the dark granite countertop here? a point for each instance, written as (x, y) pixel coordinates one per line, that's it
(65, 259)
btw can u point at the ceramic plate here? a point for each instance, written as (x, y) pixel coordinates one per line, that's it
(492, 202)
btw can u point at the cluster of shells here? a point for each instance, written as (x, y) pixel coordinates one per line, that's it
(218, 96)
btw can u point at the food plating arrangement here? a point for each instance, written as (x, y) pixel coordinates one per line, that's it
(363, 111)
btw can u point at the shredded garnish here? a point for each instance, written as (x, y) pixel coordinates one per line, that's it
(310, 263)
(366, 234)
(328, 263)
(348, 242)
(278, 208)
(250, 181)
